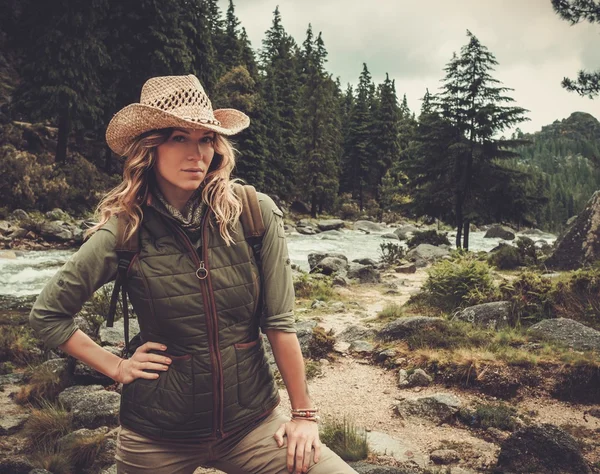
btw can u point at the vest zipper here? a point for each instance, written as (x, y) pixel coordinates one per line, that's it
(203, 275)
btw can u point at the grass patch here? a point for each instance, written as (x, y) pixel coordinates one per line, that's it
(55, 462)
(312, 369)
(46, 425)
(344, 439)
(321, 343)
(390, 312)
(83, 451)
(18, 345)
(490, 415)
(313, 289)
(44, 386)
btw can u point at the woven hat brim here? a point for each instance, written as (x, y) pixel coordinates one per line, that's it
(135, 119)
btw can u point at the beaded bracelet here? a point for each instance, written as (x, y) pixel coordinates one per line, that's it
(307, 418)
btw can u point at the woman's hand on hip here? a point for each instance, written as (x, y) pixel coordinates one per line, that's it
(302, 437)
(135, 367)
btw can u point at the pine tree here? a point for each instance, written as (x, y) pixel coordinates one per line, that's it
(232, 46)
(63, 54)
(472, 101)
(320, 142)
(574, 11)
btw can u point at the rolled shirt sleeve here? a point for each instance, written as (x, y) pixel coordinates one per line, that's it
(278, 287)
(93, 265)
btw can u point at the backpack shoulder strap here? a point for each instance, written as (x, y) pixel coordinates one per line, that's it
(126, 251)
(251, 218)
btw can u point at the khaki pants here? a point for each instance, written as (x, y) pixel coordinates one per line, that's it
(256, 453)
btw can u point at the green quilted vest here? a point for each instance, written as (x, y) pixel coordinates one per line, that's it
(201, 303)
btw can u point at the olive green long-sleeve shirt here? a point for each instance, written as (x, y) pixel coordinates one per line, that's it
(95, 264)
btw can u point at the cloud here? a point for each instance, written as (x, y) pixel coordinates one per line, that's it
(413, 42)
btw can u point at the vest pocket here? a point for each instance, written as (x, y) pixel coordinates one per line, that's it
(254, 373)
(167, 401)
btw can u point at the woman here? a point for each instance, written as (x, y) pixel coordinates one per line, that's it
(199, 390)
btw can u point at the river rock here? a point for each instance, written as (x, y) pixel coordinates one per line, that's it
(569, 333)
(8, 255)
(366, 261)
(306, 230)
(331, 235)
(98, 408)
(500, 232)
(439, 407)
(55, 231)
(403, 231)
(424, 254)
(116, 335)
(361, 347)
(403, 327)
(330, 224)
(368, 225)
(17, 464)
(315, 257)
(57, 214)
(365, 274)
(18, 215)
(17, 233)
(493, 315)
(419, 378)
(544, 449)
(579, 245)
(5, 227)
(300, 207)
(340, 280)
(331, 265)
(69, 397)
(390, 236)
(534, 232)
(353, 333)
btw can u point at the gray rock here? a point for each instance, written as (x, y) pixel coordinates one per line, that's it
(544, 449)
(340, 280)
(488, 315)
(419, 378)
(85, 325)
(318, 304)
(18, 215)
(330, 224)
(16, 464)
(500, 232)
(11, 423)
(404, 327)
(337, 306)
(390, 236)
(352, 333)
(361, 347)
(315, 257)
(8, 255)
(424, 254)
(55, 231)
(407, 268)
(403, 231)
(12, 379)
(534, 232)
(116, 335)
(57, 214)
(111, 470)
(385, 355)
(368, 225)
(71, 396)
(439, 407)
(365, 261)
(331, 265)
(367, 468)
(400, 450)
(304, 332)
(304, 223)
(307, 230)
(5, 227)
(82, 433)
(403, 379)
(569, 333)
(97, 409)
(17, 233)
(444, 456)
(579, 245)
(39, 471)
(365, 274)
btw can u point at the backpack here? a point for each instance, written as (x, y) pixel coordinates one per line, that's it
(254, 230)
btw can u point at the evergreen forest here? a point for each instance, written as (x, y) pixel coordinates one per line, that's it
(66, 67)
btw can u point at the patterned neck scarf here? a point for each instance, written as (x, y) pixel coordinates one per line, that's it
(190, 217)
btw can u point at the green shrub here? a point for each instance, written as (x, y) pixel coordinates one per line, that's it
(18, 345)
(6, 368)
(44, 386)
(527, 250)
(46, 425)
(531, 298)
(506, 257)
(391, 311)
(321, 343)
(431, 237)
(311, 288)
(450, 283)
(448, 335)
(345, 440)
(391, 252)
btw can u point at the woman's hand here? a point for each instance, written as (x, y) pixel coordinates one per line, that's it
(135, 367)
(302, 436)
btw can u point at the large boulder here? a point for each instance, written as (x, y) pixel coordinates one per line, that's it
(71, 396)
(368, 226)
(580, 244)
(569, 333)
(331, 265)
(403, 231)
(439, 407)
(404, 327)
(5, 227)
(315, 257)
(116, 335)
(97, 409)
(364, 273)
(55, 231)
(493, 315)
(330, 224)
(543, 449)
(18, 215)
(57, 214)
(500, 232)
(425, 254)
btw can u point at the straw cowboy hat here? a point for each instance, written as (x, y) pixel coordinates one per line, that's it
(171, 101)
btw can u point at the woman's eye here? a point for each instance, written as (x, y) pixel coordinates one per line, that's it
(178, 138)
(208, 139)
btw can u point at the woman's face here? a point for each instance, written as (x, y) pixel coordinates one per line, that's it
(182, 163)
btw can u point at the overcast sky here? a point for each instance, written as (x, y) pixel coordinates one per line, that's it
(414, 40)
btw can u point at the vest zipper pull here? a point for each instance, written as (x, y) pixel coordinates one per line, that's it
(201, 272)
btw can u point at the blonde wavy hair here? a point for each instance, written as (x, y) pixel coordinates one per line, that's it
(132, 192)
